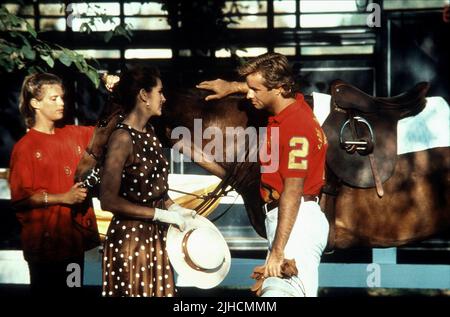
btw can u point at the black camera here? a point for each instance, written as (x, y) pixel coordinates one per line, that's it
(92, 179)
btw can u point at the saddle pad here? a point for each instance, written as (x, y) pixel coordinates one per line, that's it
(426, 130)
(321, 106)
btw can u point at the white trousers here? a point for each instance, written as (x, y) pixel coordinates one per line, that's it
(306, 243)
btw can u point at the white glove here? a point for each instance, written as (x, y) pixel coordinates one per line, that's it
(171, 217)
(182, 211)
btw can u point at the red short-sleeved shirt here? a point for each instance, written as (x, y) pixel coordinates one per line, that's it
(47, 162)
(302, 147)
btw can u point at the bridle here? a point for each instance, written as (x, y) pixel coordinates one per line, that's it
(234, 178)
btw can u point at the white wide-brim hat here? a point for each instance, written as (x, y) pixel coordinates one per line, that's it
(199, 254)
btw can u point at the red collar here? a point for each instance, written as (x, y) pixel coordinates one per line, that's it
(286, 112)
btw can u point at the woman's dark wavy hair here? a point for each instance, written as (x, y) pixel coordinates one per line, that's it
(132, 80)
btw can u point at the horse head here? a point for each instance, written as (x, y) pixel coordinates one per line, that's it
(188, 109)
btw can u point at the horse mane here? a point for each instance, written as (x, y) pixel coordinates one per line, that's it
(110, 109)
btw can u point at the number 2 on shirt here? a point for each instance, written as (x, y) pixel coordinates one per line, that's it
(298, 153)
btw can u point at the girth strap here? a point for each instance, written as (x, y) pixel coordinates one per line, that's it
(376, 176)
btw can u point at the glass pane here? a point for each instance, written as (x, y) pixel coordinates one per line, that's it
(148, 53)
(250, 7)
(99, 53)
(336, 50)
(136, 8)
(148, 23)
(223, 53)
(31, 22)
(23, 27)
(331, 6)
(94, 8)
(12, 8)
(284, 6)
(98, 26)
(414, 4)
(185, 52)
(250, 22)
(288, 51)
(284, 21)
(332, 20)
(52, 24)
(52, 9)
(251, 51)
(19, 10)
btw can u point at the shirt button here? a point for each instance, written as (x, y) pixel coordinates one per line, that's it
(67, 170)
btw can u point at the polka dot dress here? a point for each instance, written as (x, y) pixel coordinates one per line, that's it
(135, 261)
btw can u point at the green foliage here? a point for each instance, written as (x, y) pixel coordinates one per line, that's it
(21, 49)
(121, 30)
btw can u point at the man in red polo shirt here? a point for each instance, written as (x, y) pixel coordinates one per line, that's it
(296, 227)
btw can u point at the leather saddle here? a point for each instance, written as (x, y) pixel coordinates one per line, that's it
(362, 133)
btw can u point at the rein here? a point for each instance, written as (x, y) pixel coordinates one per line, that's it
(204, 196)
(233, 180)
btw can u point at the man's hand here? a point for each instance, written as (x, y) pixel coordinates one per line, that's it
(273, 265)
(110, 81)
(75, 195)
(221, 88)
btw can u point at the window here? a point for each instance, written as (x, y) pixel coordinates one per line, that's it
(414, 4)
(293, 27)
(244, 52)
(146, 16)
(148, 53)
(248, 14)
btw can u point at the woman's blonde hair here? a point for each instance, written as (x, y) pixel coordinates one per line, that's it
(32, 88)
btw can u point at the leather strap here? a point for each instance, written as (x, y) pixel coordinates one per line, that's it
(376, 176)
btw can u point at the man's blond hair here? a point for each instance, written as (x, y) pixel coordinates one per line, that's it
(275, 70)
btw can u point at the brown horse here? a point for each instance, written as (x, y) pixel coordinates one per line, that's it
(415, 204)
